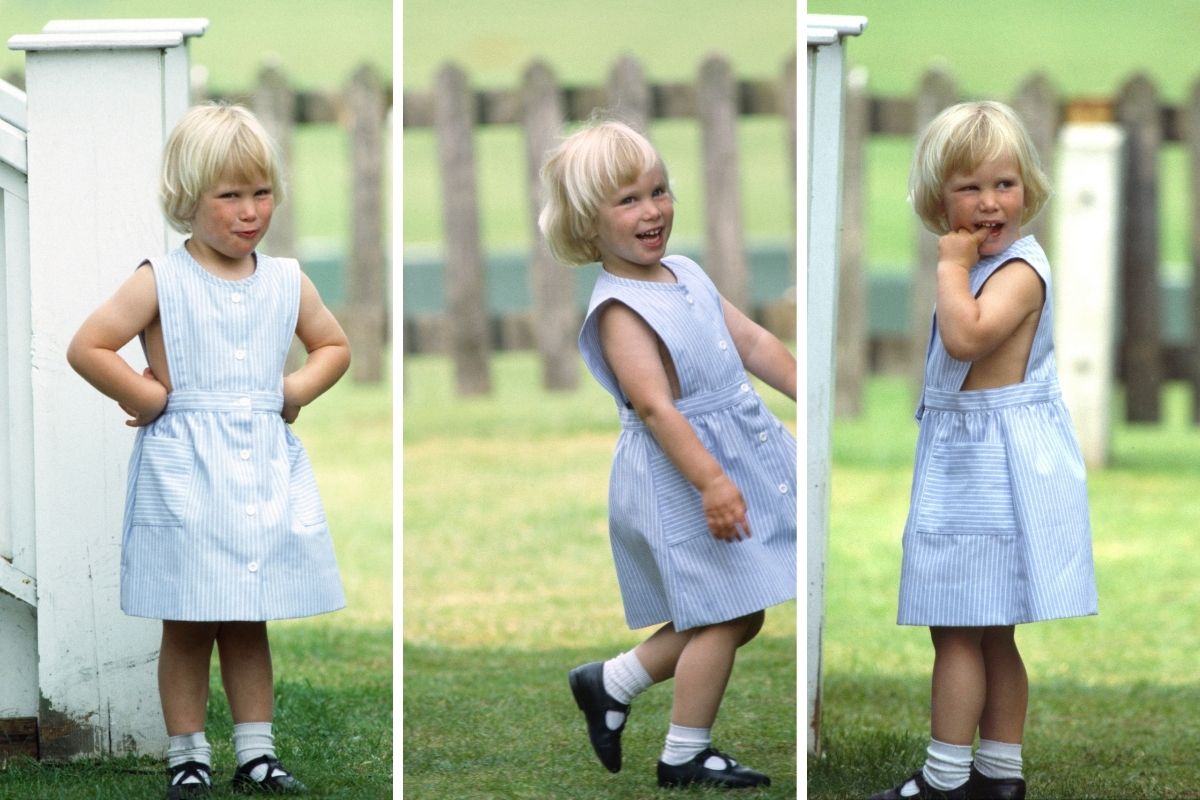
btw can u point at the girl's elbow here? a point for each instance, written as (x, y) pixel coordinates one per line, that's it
(963, 349)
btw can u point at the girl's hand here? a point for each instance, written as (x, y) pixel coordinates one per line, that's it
(961, 247)
(155, 402)
(725, 510)
(290, 412)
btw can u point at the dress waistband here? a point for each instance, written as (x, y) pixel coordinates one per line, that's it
(203, 400)
(987, 399)
(696, 404)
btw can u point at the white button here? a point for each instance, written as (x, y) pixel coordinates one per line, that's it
(252, 566)
(762, 437)
(721, 344)
(745, 387)
(783, 489)
(251, 511)
(691, 300)
(244, 402)
(236, 297)
(245, 454)
(239, 354)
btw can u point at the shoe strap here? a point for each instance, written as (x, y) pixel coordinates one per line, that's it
(180, 773)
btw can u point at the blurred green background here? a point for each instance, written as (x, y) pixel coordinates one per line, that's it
(1086, 48)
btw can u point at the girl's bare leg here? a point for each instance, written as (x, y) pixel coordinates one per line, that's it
(703, 667)
(246, 670)
(1003, 717)
(183, 666)
(960, 684)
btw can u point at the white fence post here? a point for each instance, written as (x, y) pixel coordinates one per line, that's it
(100, 104)
(826, 72)
(1086, 257)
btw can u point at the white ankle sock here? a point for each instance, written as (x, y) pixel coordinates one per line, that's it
(189, 747)
(624, 679)
(947, 766)
(998, 759)
(684, 743)
(251, 740)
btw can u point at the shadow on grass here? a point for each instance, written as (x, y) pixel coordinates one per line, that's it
(1124, 742)
(502, 724)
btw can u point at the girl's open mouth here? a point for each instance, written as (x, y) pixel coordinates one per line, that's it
(651, 236)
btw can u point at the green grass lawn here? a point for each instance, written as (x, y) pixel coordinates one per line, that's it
(1112, 697)
(333, 673)
(509, 583)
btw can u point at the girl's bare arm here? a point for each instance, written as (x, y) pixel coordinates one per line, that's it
(972, 328)
(93, 350)
(631, 349)
(328, 352)
(763, 355)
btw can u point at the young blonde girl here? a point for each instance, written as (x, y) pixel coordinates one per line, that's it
(998, 532)
(702, 508)
(224, 528)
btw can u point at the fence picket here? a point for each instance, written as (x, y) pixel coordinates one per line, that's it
(553, 285)
(366, 315)
(1036, 103)
(465, 288)
(1137, 110)
(716, 109)
(1191, 132)
(851, 362)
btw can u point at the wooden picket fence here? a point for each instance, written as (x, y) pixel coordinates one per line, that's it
(362, 109)
(541, 106)
(1146, 359)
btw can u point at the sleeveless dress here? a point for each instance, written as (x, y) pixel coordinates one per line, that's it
(222, 517)
(669, 567)
(998, 531)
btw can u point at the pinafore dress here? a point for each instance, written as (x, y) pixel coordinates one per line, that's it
(669, 567)
(998, 531)
(222, 517)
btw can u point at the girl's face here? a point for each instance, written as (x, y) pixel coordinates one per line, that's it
(989, 196)
(231, 219)
(633, 224)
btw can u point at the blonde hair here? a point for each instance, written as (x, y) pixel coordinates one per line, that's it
(578, 174)
(212, 142)
(961, 138)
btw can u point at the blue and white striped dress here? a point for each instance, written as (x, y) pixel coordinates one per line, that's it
(669, 567)
(222, 517)
(998, 531)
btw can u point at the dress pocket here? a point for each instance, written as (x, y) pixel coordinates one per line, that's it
(967, 491)
(303, 498)
(164, 480)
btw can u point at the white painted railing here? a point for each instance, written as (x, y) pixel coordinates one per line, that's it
(101, 99)
(826, 71)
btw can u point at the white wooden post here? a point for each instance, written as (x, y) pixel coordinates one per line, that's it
(826, 73)
(1086, 256)
(18, 599)
(100, 104)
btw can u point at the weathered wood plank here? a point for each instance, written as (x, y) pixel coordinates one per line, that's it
(1137, 111)
(726, 251)
(466, 295)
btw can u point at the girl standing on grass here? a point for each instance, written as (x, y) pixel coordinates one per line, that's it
(702, 499)
(224, 528)
(998, 531)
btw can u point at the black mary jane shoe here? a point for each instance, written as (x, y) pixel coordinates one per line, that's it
(981, 787)
(924, 791)
(200, 786)
(731, 775)
(277, 780)
(587, 684)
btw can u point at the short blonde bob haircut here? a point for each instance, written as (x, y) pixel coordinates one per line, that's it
(211, 143)
(578, 175)
(958, 140)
